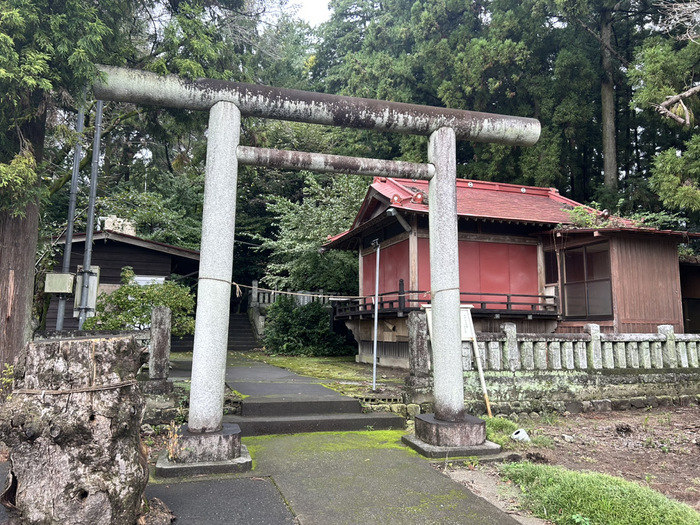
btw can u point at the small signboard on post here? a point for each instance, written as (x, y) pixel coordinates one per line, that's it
(468, 335)
(59, 283)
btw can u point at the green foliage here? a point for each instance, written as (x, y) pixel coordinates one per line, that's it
(662, 220)
(676, 176)
(18, 183)
(503, 57)
(130, 306)
(303, 227)
(45, 49)
(566, 498)
(158, 217)
(665, 68)
(6, 382)
(195, 43)
(583, 217)
(291, 329)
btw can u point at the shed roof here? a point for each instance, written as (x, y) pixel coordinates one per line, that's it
(105, 234)
(183, 260)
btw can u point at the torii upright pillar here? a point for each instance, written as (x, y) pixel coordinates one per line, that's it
(215, 269)
(446, 341)
(206, 444)
(449, 431)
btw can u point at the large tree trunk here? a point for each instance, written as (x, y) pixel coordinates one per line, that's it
(72, 426)
(18, 240)
(607, 94)
(19, 233)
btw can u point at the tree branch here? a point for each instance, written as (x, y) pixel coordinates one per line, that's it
(664, 110)
(595, 35)
(677, 98)
(60, 182)
(669, 114)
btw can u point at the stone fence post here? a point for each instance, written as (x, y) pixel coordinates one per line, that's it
(254, 294)
(594, 350)
(159, 357)
(419, 380)
(670, 357)
(511, 350)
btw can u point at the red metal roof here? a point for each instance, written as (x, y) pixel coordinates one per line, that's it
(475, 199)
(486, 200)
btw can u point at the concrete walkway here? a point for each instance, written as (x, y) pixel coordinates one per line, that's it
(259, 381)
(329, 479)
(337, 478)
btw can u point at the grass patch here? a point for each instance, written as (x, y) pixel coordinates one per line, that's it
(567, 497)
(335, 441)
(326, 442)
(499, 429)
(184, 384)
(342, 368)
(236, 394)
(341, 373)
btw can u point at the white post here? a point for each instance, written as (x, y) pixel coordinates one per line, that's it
(376, 314)
(215, 270)
(254, 294)
(446, 338)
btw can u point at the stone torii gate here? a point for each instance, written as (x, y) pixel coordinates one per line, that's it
(226, 103)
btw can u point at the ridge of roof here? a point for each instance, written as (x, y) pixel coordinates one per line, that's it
(482, 199)
(132, 239)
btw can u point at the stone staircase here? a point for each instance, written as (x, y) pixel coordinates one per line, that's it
(240, 334)
(260, 418)
(277, 401)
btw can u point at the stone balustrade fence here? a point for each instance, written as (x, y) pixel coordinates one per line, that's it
(566, 372)
(591, 350)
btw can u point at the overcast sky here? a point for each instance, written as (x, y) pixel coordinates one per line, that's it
(313, 11)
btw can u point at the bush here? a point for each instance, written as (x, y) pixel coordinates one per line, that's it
(291, 329)
(129, 306)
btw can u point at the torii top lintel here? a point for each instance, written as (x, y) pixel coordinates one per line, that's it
(141, 87)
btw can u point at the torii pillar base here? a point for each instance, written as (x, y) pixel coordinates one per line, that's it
(206, 453)
(440, 439)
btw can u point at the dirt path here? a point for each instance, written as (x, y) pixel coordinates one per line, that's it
(657, 448)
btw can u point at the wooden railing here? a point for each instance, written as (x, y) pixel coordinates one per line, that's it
(400, 302)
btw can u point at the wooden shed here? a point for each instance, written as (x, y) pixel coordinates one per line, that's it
(521, 260)
(114, 250)
(627, 280)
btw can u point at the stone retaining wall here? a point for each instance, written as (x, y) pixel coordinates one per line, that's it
(528, 373)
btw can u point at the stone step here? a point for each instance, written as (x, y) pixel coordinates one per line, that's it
(237, 346)
(240, 333)
(262, 426)
(239, 342)
(291, 407)
(238, 320)
(241, 337)
(243, 326)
